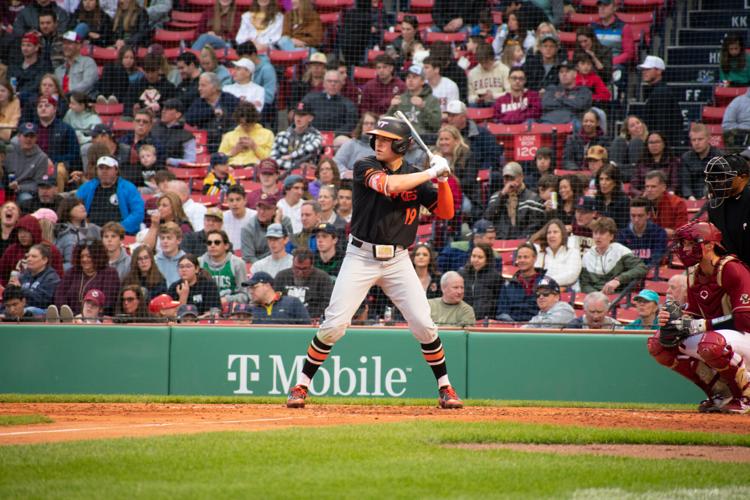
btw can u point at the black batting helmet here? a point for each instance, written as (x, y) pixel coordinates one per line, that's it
(393, 128)
(719, 173)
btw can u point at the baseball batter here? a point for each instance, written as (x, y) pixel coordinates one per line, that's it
(387, 196)
(718, 294)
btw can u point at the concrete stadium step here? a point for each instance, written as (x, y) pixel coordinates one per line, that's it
(718, 19)
(705, 55)
(724, 4)
(708, 36)
(693, 73)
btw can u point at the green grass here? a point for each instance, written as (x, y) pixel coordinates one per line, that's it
(24, 419)
(145, 398)
(404, 460)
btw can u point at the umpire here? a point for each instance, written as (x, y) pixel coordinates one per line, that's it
(727, 180)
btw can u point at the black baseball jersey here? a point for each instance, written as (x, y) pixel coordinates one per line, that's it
(732, 218)
(387, 219)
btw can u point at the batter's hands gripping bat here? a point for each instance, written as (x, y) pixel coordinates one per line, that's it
(438, 165)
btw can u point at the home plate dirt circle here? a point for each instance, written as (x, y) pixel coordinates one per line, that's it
(78, 421)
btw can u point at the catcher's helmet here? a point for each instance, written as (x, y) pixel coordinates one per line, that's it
(719, 173)
(697, 233)
(393, 128)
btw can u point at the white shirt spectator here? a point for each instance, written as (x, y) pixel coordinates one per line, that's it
(195, 213)
(272, 266)
(247, 92)
(269, 36)
(233, 226)
(294, 213)
(563, 266)
(445, 91)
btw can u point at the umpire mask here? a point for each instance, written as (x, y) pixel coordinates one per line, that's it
(719, 174)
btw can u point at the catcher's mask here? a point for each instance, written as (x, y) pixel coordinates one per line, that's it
(697, 233)
(392, 128)
(719, 174)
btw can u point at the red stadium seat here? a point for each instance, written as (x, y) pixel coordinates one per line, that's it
(372, 54)
(330, 18)
(547, 128)
(711, 114)
(244, 173)
(109, 110)
(287, 57)
(201, 4)
(577, 19)
(636, 18)
(363, 75)
(422, 5)
(497, 17)
(172, 38)
(480, 115)
(424, 20)
(642, 5)
(502, 129)
(433, 37)
(659, 287)
(567, 38)
(390, 36)
(188, 173)
(184, 20)
(119, 125)
(724, 95)
(332, 5)
(207, 200)
(103, 55)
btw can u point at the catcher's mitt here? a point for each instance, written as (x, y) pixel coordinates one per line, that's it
(671, 336)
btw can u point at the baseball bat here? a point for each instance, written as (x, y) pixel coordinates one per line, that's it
(414, 134)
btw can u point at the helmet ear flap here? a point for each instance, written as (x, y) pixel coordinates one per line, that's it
(372, 142)
(401, 146)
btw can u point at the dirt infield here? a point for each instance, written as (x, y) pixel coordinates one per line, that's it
(76, 421)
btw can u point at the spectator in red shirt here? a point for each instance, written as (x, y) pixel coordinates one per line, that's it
(378, 92)
(667, 210)
(587, 77)
(519, 105)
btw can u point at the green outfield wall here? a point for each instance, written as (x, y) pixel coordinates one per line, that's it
(374, 362)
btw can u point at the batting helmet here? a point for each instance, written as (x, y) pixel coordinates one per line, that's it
(697, 233)
(720, 172)
(392, 128)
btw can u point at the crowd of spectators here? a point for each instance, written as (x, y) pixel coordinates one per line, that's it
(99, 222)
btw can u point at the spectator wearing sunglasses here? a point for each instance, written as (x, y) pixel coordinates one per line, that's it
(226, 269)
(552, 312)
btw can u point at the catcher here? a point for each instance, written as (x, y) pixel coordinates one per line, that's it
(707, 343)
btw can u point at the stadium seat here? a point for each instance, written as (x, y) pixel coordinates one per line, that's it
(102, 55)
(480, 115)
(244, 173)
(207, 200)
(636, 18)
(330, 18)
(433, 37)
(372, 54)
(577, 19)
(548, 128)
(286, 58)
(390, 36)
(424, 20)
(724, 95)
(109, 110)
(497, 17)
(172, 38)
(659, 287)
(421, 5)
(567, 38)
(186, 174)
(332, 5)
(201, 5)
(181, 20)
(120, 125)
(642, 5)
(363, 75)
(712, 114)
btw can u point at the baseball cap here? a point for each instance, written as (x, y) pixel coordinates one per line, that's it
(245, 63)
(240, 309)
(268, 166)
(318, 57)
(455, 107)
(647, 296)
(292, 180)
(96, 296)
(175, 104)
(45, 214)
(652, 62)
(275, 230)
(604, 2)
(47, 180)
(597, 153)
(31, 37)
(187, 310)
(72, 36)
(586, 203)
(52, 101)
(513, 169)
(107, 161)
(219, 159)
(161, 302)
(482, 226)
(156, 49)
(326, 228)
(28, 128)
(548, 283)
(550, 36)
(303, 109)
(566, 64)
(257, 278)
(215, 212)
(101, 129)
(269, 200)
(415, 69)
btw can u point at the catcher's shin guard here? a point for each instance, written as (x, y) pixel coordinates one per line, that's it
(719, 355)
(692, 369)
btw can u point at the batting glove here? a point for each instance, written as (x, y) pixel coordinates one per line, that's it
(439, 167)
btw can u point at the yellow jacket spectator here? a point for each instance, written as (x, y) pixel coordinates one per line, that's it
(249, 142)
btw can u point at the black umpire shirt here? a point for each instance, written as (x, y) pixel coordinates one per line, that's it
(732, 218)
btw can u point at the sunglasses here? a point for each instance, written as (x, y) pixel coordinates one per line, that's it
(215, 242)
(543, 294)
(129, 299)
